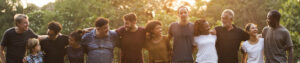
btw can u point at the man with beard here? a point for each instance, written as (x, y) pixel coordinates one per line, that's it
(132, 40)
(54, 45)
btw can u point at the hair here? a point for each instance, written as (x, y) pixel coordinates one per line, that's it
(198, 25)
(31, 44)
(182, 7)
(150, 27)
(76, 35)
(55, 26)
(247, 27)
(229, 11)
(100, 21)
(19, 17)
(274, 14)
(130, 17)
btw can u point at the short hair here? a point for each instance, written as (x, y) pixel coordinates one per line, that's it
(55, 26)
(274, 14)
(198, 25)
(130, 17)
(77, 35)
(19, 17)
(229, 11)
(182, 7)
(32, 43)
(150, 26)
(100, 21)
(247, 27)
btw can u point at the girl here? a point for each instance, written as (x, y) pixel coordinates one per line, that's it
(253, 48)
(35, 56)
(205, 41)
(75, 52)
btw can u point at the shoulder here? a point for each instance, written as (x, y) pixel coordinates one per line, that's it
(244, 44)
(10, 30)
(86, 35)
(64, 36)
(173, 24)
(218, 28)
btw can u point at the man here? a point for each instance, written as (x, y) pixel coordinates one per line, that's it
(54, 45)
(132, 40)
(229, 38)
(100, 42)
(277, 39)
(15, 40)
(182, 34)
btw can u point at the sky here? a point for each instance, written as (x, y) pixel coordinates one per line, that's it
(39, 3)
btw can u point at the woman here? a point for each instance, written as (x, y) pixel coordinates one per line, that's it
(156, 43)
(205, 40)
(75, 52)
(253, 48)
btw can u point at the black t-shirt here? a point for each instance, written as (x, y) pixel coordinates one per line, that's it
(75, 55)
(16, 44)
(54, 49)
(228, 43)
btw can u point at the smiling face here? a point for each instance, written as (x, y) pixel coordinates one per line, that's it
(23, 24)
(226, 19)
(157, 30)
(206, 27)
(102, 31)
(129, 25)
(252, 30)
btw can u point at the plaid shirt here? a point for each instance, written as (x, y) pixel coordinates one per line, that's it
(35, 59)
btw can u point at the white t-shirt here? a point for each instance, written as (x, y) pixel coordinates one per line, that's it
(206, 49)
(255, 51)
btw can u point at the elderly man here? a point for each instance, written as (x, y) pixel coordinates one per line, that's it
(229, 38)
(15, 39)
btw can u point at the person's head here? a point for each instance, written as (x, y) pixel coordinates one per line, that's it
(75, 37)
(21, 21)
(54, 29)
(200, 27)
(251, 29)
(153, 27)
(273, 18)
(130, 21)
(102, 26)
(183, 13)
(227, 17)
(33, 45)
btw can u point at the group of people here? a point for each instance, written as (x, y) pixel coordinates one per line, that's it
(96, 45)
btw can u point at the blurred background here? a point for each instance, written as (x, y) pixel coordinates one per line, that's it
(79, 14)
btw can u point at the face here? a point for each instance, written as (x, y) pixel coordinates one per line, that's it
(102, 30)
(270, 21)
(129, 24)
(226, 19)
(37, 48)
(72, 41)
(23, 25)
(206, 27)
(157, 30)
(253, 30)
(183, 14)
(51, 34)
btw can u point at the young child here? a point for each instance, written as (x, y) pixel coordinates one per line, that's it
(33, 48)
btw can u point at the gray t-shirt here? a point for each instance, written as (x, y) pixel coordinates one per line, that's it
(182, 42)
(276, 42)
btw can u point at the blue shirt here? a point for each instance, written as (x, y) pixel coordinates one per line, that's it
(35, 59)
(99, 50)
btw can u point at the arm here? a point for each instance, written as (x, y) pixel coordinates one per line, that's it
(290, 51)
(244, 60)
(2, 56)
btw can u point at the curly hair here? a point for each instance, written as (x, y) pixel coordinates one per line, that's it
(198, 26)
(55, 26)
(150, 27)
